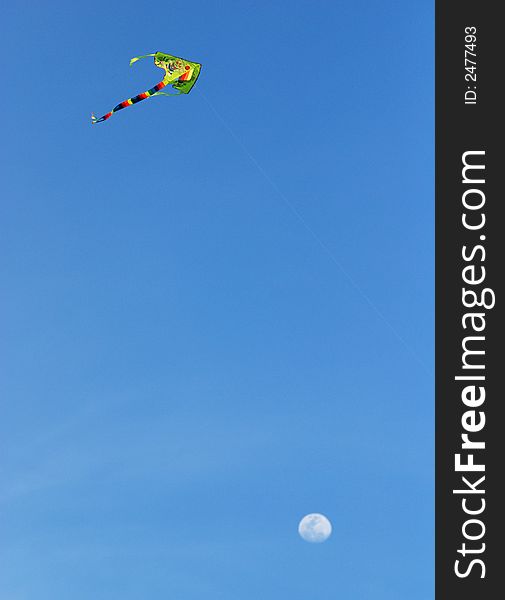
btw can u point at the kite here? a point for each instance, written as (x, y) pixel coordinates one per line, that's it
(181, 74)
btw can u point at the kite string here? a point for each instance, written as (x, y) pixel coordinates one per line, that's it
(322, 244)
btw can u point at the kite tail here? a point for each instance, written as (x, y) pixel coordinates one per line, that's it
(151, 92)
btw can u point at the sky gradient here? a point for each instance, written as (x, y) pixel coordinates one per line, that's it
(217, 309)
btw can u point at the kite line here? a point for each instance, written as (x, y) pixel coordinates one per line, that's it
(322, 244)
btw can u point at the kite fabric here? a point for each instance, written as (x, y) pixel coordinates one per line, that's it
(181, 74)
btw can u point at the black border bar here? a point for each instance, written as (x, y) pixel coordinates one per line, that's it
(470, 259)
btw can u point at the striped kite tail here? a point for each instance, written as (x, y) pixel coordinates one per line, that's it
(151, 92)
(104, 118)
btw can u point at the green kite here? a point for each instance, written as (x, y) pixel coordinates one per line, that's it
(180, 73)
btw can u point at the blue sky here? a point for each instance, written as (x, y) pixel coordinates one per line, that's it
(217, 309)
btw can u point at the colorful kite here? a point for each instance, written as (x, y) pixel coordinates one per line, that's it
(181, 74)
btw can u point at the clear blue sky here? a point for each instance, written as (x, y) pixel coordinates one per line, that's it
(185, 369)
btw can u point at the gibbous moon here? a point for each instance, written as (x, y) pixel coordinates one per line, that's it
(314, 528)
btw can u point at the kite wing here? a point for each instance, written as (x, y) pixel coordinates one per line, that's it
(181, 74)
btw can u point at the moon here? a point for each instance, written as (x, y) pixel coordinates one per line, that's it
(314, 528)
